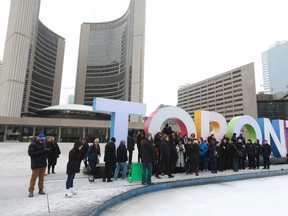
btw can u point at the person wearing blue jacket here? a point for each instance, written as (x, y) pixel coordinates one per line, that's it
(203, 165)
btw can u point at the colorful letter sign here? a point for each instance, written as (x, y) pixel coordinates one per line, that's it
(276, 133)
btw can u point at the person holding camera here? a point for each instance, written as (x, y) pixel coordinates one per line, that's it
(38, 152)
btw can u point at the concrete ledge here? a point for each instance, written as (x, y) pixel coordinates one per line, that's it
(183, 183)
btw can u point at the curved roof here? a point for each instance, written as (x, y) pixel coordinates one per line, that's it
(71, 107)
(73, 111)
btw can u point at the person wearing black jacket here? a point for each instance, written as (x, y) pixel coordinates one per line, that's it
(148, 157)
(213, 155)
(140, 140)
(258, 152)
(193, 155)
(242, 149)
(234, 154)
(223, 157)
(157, 142)
(173, 157)
(84, 150)
(130, 145)
(73, 167)
(52, 158)
(165, 156)
(38, 152)
(121, 159)
(266, 152)
(109, 159)
(250, 149)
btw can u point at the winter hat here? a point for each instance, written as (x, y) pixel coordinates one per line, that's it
(96, 140)
(41, 135)
(195, 142)
(122, 142)
(113, 139)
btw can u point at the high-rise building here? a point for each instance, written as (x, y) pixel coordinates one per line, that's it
(272, 106)
(232, 93)
(275, 68)
(32, 62)
(70, 99)
(0, 68)
(111, 58)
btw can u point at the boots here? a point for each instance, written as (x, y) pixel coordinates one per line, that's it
(72, 191)
(68, 194)
(30, 194)
(41, 191)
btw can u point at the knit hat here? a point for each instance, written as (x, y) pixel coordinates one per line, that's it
(96, 140)
(41, 135)
(113, 139)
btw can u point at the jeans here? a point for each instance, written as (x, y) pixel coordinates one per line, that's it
(147, 166)
(213, 164)
(69, 181)
(120, 166)
(206, 162)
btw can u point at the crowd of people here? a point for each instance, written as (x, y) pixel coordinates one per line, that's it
(167, 153)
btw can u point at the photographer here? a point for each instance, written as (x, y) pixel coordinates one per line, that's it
(38, 153)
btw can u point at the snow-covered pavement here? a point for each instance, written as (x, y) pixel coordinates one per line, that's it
(253, 197)
(15, 174)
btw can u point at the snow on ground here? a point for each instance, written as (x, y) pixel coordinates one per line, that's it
(15, 175)
(266, 196)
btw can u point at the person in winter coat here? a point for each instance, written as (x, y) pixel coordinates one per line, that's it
(121, 160)
(234, 154)
(157, 142)
(148, 157)
(266, 152)
(38, 152)
(173, 157)
(140, 140)
(109, 159)
(85, 147)
(73, 167)
(242, 156)
(258, 152)
(223, 155)
(167, 129)
(130, 145)
(180, 164)
(165, 156)
(52, 158)
(250, 149)
(213, 154)
(92, 156)
(193, 154)
(203, 164)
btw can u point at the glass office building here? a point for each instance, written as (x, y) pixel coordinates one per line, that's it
(110, 59)
(275, 68)
(32, 62)
(272, 106)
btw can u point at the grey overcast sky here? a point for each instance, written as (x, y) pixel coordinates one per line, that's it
(186, 40)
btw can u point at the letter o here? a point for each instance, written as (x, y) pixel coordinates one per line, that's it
(183, 119)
